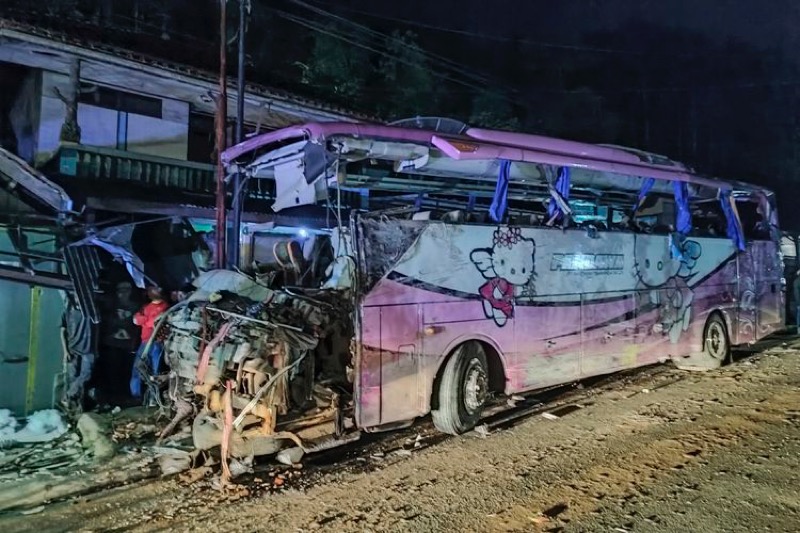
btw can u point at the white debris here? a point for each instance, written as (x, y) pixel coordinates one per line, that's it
(550, 416)
(46, 421)
(42, 426)
(8, 424)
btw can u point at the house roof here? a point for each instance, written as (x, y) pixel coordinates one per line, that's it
(39, 47)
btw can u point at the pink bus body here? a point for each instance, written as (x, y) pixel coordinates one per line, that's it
(548, 305)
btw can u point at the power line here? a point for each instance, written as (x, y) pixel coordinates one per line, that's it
(336, 35)
(455, 67)
(497, 38)
(378, 35)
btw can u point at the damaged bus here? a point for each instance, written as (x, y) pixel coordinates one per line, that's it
(440, 265)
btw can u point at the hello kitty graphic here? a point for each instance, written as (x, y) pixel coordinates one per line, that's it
(662, 282)
(508, 266)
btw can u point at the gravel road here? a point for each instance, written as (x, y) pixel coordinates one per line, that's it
(661, 450)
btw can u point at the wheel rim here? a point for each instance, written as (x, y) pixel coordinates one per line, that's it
(716, 344)
(474, 386)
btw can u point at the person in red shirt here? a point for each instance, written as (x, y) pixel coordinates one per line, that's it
(146, 319)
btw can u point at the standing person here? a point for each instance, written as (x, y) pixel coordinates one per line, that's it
(80, 344)
(119, 341)
(146, 319)
(796, 294)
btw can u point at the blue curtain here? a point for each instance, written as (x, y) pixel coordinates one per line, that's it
(562, 187)
(647, 185)
(500, 202)
(683, 222)
(734, 225)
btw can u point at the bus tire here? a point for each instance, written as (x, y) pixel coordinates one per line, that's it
(463, 390)
(716, 347)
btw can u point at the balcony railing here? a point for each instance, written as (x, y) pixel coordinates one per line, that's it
(95, 163)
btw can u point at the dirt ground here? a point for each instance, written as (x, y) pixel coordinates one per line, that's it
(659, 450)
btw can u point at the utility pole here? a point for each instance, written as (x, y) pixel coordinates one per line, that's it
(222, 119)
(239, 181)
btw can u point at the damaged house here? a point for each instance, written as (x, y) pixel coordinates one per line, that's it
(106, 185)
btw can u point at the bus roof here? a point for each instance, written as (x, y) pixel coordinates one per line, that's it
(476, 143)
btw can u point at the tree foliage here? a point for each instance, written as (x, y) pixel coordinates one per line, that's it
(492, 109)
(408, 86)
(335, 66)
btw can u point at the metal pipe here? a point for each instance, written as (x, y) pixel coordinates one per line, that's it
(243, 5)
(238, 189)
(222, 119)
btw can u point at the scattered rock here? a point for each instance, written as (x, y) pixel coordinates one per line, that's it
(482, 431)
(555, 510)
(95, 435)
(290, 456)
(174, 461)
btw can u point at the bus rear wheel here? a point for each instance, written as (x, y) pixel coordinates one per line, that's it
(463, 390)
(716, 347)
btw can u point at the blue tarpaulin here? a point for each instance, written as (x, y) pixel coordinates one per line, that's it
(500, 201)
(647, 185)
(562, 188)
(734, 224)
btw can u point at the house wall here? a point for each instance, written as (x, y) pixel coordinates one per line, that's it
(30, 336)
(167, 136)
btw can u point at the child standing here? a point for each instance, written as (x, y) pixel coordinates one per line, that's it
(146, 319)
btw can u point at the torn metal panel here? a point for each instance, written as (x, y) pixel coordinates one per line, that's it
(83, 266)
(384, 244)
(16, 174)
(117, 242)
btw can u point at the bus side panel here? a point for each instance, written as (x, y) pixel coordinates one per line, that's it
(760, 309)
(401, 372)
(609, 336)
(549, 345)
(450, 324)
(367, 397)
(768, 274)
(414, 338)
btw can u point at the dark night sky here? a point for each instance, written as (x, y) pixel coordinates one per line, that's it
(713, 83)
(764, 23)
(722, 99)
